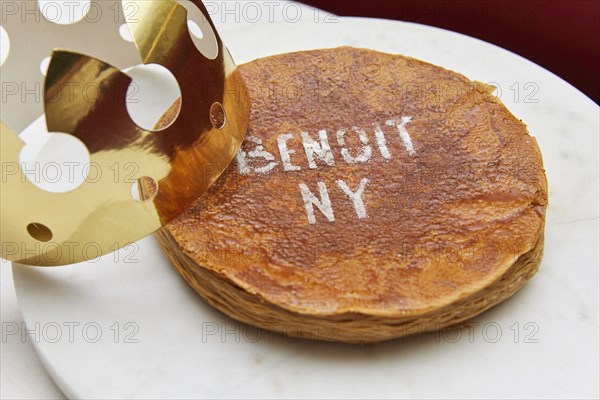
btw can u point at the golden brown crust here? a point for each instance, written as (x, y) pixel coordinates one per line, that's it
(452, 229)
(237, 303)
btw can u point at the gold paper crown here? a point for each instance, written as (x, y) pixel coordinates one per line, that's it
(176, 165)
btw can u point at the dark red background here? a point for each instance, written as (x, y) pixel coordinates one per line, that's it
(563, 36)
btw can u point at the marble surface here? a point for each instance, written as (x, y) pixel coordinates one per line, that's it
(123, 329)
(22, 375)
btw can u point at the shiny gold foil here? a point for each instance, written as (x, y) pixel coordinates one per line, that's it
(181, 161)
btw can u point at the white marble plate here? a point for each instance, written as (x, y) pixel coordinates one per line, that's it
(133, 329)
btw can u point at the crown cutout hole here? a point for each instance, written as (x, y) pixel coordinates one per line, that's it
(144, 189)
(201, 31)
(56, 162)
(218, 118)
(64, 12)
(39, 232)
(125, 33)
(44, 65)
(153, 90)
(4, 45)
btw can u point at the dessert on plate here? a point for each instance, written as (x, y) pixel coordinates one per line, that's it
(375, 196)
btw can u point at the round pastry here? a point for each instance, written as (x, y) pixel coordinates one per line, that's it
(375, 196)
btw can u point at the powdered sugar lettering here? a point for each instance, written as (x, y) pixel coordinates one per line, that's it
(318, 154)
